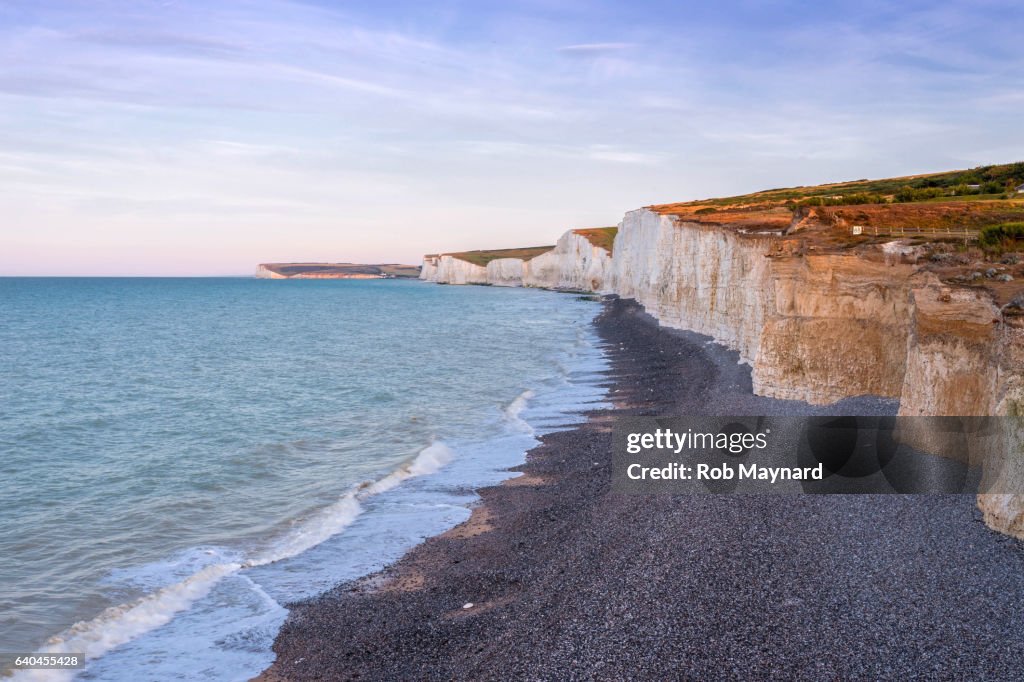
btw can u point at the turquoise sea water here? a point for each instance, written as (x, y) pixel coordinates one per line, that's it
(180, 457)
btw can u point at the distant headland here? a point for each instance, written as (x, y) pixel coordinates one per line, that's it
(336, 271)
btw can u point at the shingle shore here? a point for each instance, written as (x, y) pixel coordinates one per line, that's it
(569, 580)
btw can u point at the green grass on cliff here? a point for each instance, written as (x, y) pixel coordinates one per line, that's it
(1003, 178)
(482, 258)
(603, 237)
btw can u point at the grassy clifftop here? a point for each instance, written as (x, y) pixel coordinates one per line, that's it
(603, 237)
(983, 183)
(953, 201)
(951, 224)
(482, 258)
(598, 236)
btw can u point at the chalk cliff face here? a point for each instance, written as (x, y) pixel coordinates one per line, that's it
(821, 327)
(816, 328)
(506, 272)
(694, 277)
(574, 263)
(956, 353)
(836, 326)
(451, 270)
(1004, 509)
(428, 269)
(263, 272)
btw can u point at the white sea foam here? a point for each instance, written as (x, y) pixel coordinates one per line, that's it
(429, 460)
(311, 532)
(120, 624)
(515, 409)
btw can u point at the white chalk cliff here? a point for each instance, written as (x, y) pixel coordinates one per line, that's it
(446, 269)
(575, 263)
(506, 272)
(263, 272)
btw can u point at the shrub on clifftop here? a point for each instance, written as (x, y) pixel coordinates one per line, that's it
(1001, 237)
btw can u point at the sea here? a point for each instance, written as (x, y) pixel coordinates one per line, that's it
(181, 458)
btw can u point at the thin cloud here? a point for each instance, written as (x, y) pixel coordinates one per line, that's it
(183, 43)
(601, 153)
(593, 49)
(231, 110)
(330, 79)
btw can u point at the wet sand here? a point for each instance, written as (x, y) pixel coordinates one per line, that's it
(569, 580)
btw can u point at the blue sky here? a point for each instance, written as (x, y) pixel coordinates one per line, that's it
(173, 137)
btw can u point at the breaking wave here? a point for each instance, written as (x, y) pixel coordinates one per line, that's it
(118, 625)
(514, 410)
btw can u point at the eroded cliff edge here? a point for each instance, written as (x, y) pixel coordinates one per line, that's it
(816, 321)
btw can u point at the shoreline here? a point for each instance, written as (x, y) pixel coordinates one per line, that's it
(569, 580)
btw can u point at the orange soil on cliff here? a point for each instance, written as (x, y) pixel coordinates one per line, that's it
(938, 236)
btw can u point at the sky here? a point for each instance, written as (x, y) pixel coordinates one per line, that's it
(164, 137)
